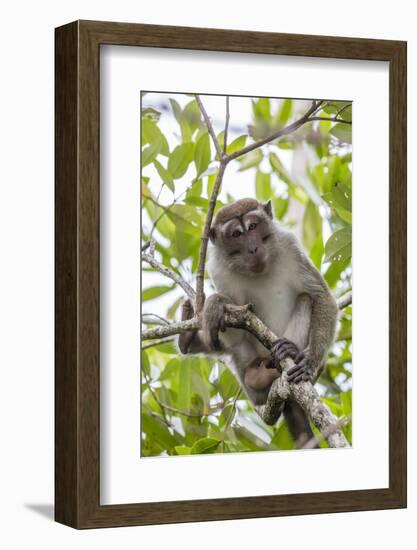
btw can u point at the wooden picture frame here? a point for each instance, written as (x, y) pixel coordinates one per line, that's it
(77, 373)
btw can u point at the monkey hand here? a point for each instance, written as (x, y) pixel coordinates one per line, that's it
(213, 321)
(303, 370)
(282, 349)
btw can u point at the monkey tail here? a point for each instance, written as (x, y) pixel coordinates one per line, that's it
(298, 424)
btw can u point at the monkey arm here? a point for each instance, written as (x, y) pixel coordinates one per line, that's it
(323, 326)
(324, 312)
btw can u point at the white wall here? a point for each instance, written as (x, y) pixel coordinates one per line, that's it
(26, 288)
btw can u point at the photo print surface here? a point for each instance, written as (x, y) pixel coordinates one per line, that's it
(246, 271)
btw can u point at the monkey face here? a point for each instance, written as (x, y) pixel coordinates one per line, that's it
(244, 241)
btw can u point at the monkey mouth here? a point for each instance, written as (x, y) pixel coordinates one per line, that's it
(257, 268)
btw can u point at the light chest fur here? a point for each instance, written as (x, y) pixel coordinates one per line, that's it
(273, 296)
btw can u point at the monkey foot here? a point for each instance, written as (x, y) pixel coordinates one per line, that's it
(282, 349)
(187, 310)
(303, 369)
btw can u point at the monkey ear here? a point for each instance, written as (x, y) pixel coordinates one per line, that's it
(212, 234)
(268, 208)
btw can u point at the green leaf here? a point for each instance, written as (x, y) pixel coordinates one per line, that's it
(262, 109)
(164, 175)
(316, 252)
(191, 114)
(346, 399)
(180, 159)
(150, 153)
(195, 189)
(151, 113)
(182, 450)
(263, 186)
(336, 408)
(340, 199)
(343, 132)
(211, 180)
(173, 309)
(284, 112)
(146, 366)
(285, 143)
(170, 370)
(282, 438)
(332, 107)
(156, 429)
(155, 291)
(176, 109)
(197, 201)
(251, 159)
(297, 193)
(312, 224)
(168, 348)
(152, 134)
(339, 246)
(280, 207)
(228, 385)
(346, 113)
(334, 271)
(236, 144)
(205, 445)
(202, 153)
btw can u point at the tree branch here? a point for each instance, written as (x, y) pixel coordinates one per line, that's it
(241, 316)
(303, 393)
(224, 160)
(205, 239)
(280, 133)
(330, 119)
(188, 289)
(314, 441)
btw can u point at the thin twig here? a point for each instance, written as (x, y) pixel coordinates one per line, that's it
(205, 238)
(226, 126)
(343, 108)
(153, 393)
(210, 127)
(188, 289)
(330, 119)
(280, 133)
(154, 343)
(345, 300)
(162, 320)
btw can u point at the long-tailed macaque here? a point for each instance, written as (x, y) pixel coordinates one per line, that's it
(254, 260)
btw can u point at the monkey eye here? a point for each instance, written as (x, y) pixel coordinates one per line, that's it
(236, 233)
(252, 226)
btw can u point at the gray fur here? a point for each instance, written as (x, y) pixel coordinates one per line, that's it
(288, 294)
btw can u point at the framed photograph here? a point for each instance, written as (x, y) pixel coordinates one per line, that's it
(221, 197)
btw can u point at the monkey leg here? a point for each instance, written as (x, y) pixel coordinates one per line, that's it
(297, 423)
(191, 341)
(213, 321)
(259, 375)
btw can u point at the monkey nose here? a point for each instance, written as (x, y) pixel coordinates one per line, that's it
(253, 250)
